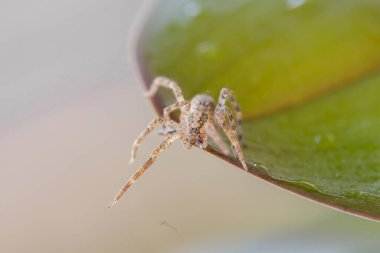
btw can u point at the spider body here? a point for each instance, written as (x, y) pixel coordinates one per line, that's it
(199, 120)
(195, 120)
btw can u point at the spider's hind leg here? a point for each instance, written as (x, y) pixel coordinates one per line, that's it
(158, 121)
(217, 139)
(226, 120)
(226, 94)
(164, 145)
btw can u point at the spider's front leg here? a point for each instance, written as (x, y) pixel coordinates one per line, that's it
(226, 120)
(147, 131)
(180, 103)
(164, 145)
(183, 106)
(161, 81)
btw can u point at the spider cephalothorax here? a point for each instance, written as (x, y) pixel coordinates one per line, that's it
(199, 120)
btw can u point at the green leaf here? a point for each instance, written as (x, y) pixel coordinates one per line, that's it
(306, 74)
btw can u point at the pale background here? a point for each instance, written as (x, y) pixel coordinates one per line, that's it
(71, 104)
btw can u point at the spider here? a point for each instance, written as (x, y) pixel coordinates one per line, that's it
(199, 120)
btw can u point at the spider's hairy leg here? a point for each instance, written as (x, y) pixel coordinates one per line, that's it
(177, 105)
(217, 139)
(147, 131)
(226, 94)
(164, 145)
(226, 120)
(161, 81)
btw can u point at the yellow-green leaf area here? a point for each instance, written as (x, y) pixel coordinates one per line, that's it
(275, 54)
(307, 76)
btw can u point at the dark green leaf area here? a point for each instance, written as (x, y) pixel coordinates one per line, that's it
(331, 144)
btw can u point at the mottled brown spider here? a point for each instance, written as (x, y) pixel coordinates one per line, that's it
(199, 120)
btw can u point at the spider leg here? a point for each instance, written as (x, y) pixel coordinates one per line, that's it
(182, 106)
(217, 139)
(164, 145)
(226, 120)
(177, 105)
(167, 83)
(226, 94)
(147, 131)
(166, 130)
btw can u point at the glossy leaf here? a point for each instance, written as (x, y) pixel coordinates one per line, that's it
(306, 75)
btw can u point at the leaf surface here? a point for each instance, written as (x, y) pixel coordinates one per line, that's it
(306, 75)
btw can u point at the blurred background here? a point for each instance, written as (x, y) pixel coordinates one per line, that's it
(71, 104)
